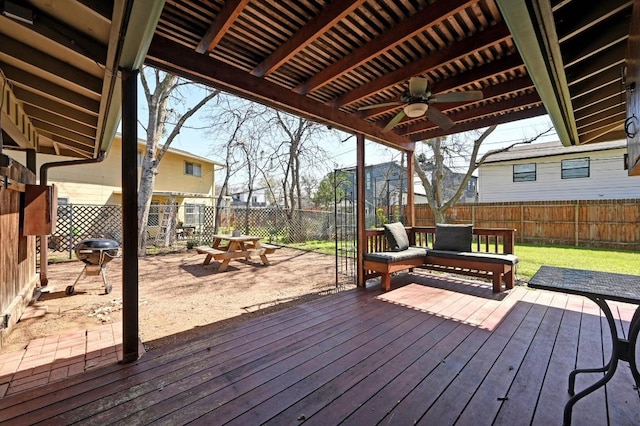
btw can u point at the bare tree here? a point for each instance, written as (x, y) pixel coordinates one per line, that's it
(444, 151)
(239, 123)
(299, 148)
(161, 93)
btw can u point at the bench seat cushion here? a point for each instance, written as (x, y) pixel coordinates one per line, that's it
(504, 259)
(396, 256)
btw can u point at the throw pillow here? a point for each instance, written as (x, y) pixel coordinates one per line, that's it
(453, 237)
(396, 236)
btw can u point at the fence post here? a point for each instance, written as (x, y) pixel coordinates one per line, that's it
(70, 245)
(576, 222)
(521, 233)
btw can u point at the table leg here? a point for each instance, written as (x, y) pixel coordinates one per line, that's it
(224, 265)
(634, 328)
(610, 367)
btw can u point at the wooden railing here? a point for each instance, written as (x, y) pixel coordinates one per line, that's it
(488, 240)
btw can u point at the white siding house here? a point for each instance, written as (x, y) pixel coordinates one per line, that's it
(550, 171)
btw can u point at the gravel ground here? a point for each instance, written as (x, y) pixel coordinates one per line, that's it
(179, 297)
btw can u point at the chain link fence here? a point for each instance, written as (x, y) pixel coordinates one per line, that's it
(189, 225)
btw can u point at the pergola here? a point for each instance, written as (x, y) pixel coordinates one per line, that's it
(71, 68)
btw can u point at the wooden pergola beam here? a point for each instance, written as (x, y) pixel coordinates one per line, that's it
(479, 124)
(32, 83)
(332, 14)
(495, 93)
(485, 72)
(477, 42)
(426, 18)
(221, 24)
(60, 71)
(164, 53)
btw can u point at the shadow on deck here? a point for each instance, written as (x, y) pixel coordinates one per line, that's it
(434, 350)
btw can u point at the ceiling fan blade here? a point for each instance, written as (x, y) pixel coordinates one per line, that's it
(395, 120)
(379, 105)
(471, 95)
(438, 118)
(418, 86)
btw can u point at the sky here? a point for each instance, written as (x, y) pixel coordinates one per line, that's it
(195, 138)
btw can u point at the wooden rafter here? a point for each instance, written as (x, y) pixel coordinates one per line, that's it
(218, 28)
(42, 87)
(330, 16)
(426, 18)
(164, 54)
(477, 42)
(59, 71)
(497, 94)
(495, 108)
(61, 121)
(482, 123)
(480, 74)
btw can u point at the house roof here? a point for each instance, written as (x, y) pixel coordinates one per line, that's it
(549, 149)
(320, 59)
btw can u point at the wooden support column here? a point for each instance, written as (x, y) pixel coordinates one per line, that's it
(129, 215)
(409, 210)
(360, 212)
(31, 160)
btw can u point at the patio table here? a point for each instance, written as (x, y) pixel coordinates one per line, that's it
(227, 247)
(599, 287)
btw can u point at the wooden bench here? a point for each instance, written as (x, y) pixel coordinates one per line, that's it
(492, 256)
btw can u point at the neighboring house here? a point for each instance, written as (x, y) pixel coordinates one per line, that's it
(385, 181)
(452, 181)
(239, 197)
(550, 171)
(183, 178)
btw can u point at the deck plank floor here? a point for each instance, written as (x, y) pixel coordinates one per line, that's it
(434, 350)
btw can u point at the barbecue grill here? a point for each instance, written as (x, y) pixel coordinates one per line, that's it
(95, 253)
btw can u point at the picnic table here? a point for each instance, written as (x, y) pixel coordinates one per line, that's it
(227, 247)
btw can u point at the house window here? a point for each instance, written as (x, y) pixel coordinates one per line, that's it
(193, 214)
(575, 168)
(192, 169)
(471, 185)
(524, 172)
(368, 180)
(153, 219)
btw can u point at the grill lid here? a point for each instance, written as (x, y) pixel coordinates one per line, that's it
(96, 251)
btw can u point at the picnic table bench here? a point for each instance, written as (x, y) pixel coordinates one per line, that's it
(227, 247)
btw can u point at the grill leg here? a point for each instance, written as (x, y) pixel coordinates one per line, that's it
(72, 288)
(107, 287)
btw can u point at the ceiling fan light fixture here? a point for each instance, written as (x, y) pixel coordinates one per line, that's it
(416, 109)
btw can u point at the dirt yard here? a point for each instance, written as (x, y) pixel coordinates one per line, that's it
(179, 297)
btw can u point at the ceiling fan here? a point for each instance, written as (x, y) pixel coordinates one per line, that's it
(417, 101)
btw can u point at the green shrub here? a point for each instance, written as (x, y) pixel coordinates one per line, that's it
(192, 243)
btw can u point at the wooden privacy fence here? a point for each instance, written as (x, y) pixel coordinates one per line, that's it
(611, 224)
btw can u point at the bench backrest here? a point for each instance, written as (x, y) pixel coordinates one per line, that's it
(488, 240)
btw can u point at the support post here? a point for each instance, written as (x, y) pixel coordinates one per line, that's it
(360, 204)
(31, 160)
(409, 210)
(129, 216)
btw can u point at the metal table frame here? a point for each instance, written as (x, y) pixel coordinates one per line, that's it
(599, 287)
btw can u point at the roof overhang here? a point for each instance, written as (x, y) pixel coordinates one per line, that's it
(324, 60)
(62, 64)
(575, 55)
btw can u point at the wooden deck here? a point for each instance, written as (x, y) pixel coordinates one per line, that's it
(432, 351)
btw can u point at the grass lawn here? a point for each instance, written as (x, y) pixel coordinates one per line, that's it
(532, 257)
